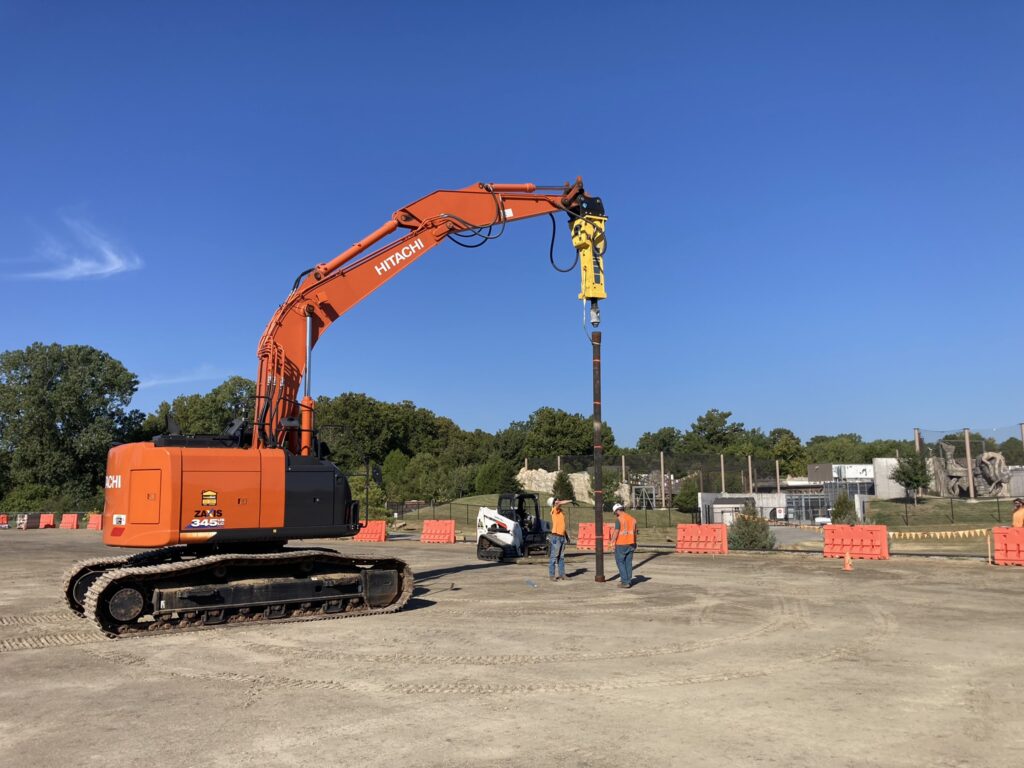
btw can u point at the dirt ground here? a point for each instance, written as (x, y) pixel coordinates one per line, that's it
(767, 660)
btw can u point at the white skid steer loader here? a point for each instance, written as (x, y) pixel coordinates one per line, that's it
(513, 530)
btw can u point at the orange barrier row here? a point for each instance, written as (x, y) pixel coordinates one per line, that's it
(586, 536)
(46, 521)
(374, 530)
(1008, 546)
(69, 522)
(95, 523)
(438, 532)
(712, 539)
(3, 522)
(863, 542)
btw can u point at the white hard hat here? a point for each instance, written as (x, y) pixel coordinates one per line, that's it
(617, 507)
(551, 501)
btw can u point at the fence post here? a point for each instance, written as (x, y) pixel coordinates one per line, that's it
(970, 463)
(664, 504)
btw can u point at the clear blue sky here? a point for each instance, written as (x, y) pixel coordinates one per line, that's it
(817, 209)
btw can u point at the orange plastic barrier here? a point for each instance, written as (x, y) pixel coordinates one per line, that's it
(863, 542)
(3, 522)
(69, 522)
(586, 536)
(438, 532)
(374, 530)
(95, 523)
(1008, 546)
(712, 539)
(46, 521)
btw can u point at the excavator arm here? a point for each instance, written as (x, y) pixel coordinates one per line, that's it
(324, 293)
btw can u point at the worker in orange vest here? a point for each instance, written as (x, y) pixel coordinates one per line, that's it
(1018, 513)
(557, 540)
(625, 544)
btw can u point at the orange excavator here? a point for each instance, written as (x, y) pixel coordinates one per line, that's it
(214, 513)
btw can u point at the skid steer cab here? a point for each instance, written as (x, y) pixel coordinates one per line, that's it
(513, 530)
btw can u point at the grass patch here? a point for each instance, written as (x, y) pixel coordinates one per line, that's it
(944, 514)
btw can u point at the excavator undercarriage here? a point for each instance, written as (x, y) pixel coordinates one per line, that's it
(178, 588)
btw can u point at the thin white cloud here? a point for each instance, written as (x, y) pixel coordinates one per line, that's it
(90, 254)
(202, 373)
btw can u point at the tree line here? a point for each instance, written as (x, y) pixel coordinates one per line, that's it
(63, 407)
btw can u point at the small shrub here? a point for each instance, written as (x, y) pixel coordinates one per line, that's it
(844, 512)
(748, 531)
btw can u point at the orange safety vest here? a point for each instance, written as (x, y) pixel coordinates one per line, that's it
(627, 530)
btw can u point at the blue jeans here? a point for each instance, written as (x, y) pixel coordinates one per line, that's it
(624, 560)
(556, 554)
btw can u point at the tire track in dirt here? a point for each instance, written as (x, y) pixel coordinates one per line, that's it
(253, 682)
(782, 618)
(64, 617)
(882, 621)
(35, 642)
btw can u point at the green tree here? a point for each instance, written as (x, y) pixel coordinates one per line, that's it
(1012, 451)
(712, 433)
(686, 499)
(423, 478)
(562, 488)
(393, 473)
(843, 511)
(376, 509)
(61, 409)
(749, 531)
(554, 432)
(667, 439)
(510, 443)
(786, 447)
(911, 471)
(207, 414)
(846, 448)
(497, 475)
(886, 449)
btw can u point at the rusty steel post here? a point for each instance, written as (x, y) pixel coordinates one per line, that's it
(595, 340)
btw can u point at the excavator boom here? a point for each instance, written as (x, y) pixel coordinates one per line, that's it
(215, 511)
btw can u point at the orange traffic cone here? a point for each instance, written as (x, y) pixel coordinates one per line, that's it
(847, 563)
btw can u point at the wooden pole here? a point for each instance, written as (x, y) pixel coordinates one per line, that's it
(778, 477)
(750, 472)
(721, 459)
(917, 440)
(664, 505)
(970, 463)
